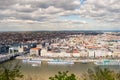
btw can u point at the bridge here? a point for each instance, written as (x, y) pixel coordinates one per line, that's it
(7, 57)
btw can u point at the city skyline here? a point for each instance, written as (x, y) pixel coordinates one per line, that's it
(32, 15)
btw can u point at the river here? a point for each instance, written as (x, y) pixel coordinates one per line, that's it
(44, 71)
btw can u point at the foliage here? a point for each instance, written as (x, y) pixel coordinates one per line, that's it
(10, 72)
(92, 74)
(63, 76)
(118, 76)
(102, 74)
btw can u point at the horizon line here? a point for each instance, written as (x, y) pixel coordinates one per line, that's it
(59, 30)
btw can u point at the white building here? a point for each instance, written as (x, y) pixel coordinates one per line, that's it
(35, 51)
(76, 54)
(116, 53)
(46, 53)
(91, 53)
(16, 49)
(101, 53)
(83, 53)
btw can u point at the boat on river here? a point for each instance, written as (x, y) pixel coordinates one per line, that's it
(107, 62)
(31, 61)
(34, 65)
(60, 62)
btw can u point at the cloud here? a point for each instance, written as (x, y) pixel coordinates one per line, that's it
(102, 10)
(23, 8)
(47, 13)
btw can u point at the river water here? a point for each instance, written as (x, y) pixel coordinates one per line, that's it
(44, 71)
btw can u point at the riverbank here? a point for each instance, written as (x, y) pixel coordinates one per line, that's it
(75, 60)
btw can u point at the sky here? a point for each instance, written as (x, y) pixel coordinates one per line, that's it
(36, 15)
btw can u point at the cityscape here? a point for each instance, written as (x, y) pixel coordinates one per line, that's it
(60, 48)
(65, 44)
(60, 40)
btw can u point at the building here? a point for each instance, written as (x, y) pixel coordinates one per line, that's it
(75, 53)
(35, 51)
(83, 53)
(116, 53)
(4, 49)
(16, 49)
(13, 50)
(91, 53)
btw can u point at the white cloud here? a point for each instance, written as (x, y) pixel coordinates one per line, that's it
(7, 12)
(22, 8)
(46, 13)
(102, 10)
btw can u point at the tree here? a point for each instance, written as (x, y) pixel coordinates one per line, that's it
(63, 76)
(118, 76)
(102, 74)
(10, 72)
